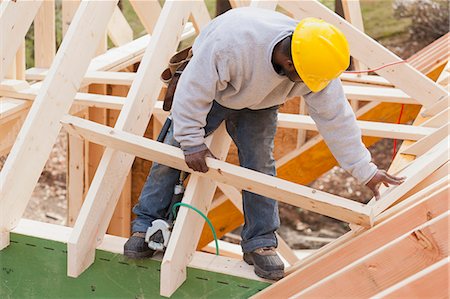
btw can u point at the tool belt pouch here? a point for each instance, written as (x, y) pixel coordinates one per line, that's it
(171, 75)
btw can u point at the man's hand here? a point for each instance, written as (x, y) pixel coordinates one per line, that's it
(385, 178)
(197, 162)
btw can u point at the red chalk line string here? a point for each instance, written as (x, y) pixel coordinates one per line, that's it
(377, 68)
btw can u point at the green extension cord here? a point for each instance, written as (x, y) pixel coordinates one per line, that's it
(182, 204)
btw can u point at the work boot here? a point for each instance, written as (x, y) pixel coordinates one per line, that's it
(136, 247)
(266, 262)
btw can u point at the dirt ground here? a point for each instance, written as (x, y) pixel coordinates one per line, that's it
(301, 229)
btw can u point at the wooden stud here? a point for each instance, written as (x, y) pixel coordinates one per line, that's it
(352, 13)
(45, 35)
(30, 152)
(13, 32)
(294, 194)
(427, 243)
(104, 192)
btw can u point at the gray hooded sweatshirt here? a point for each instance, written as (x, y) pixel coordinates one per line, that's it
(232, 64)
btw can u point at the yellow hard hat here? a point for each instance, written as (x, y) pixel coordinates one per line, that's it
(320, 52)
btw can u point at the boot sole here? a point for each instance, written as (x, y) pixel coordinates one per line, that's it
(138, 255)
(272, 275)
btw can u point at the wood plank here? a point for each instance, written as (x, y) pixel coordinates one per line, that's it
(438, 120)
(426, 143)
(242, 178)
(13, 32)
(31, 150)
(91, 77)
(356, 245)
(431, 282)
(199, 193)
(45, 35)
(381, 94)
(410, 253)
(114, 166)
(371, 53)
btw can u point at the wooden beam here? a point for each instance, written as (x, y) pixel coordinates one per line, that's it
(106, 187)
(381, 94)
(31, 150)
(242, 178)
(410, 253)
(427, 142)
(371, 53)
(368, 128)
(365, 79)
(12, 31)
(91, 77)
(119, 31)
(356, 245)
(438, 120)
(352, 13)
(45, 35)
(431, 282)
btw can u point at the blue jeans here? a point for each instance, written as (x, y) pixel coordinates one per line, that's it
(253, 132)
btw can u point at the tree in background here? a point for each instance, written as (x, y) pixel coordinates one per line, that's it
(429, 18)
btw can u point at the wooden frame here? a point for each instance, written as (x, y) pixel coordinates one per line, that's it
(57, 88)
(136, 108)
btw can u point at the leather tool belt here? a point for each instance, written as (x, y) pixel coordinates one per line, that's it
(171, 75)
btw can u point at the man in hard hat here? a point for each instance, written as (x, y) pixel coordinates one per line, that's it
(246, 63)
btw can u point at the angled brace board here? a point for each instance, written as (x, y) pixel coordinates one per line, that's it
(242, 178)
(31, 150)
(387, 265)
(371, 53)
(111, 174)
(199, 193)
(424, 144)
(13, 32)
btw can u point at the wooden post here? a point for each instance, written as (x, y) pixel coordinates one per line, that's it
(45, 35)
(12, 32)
